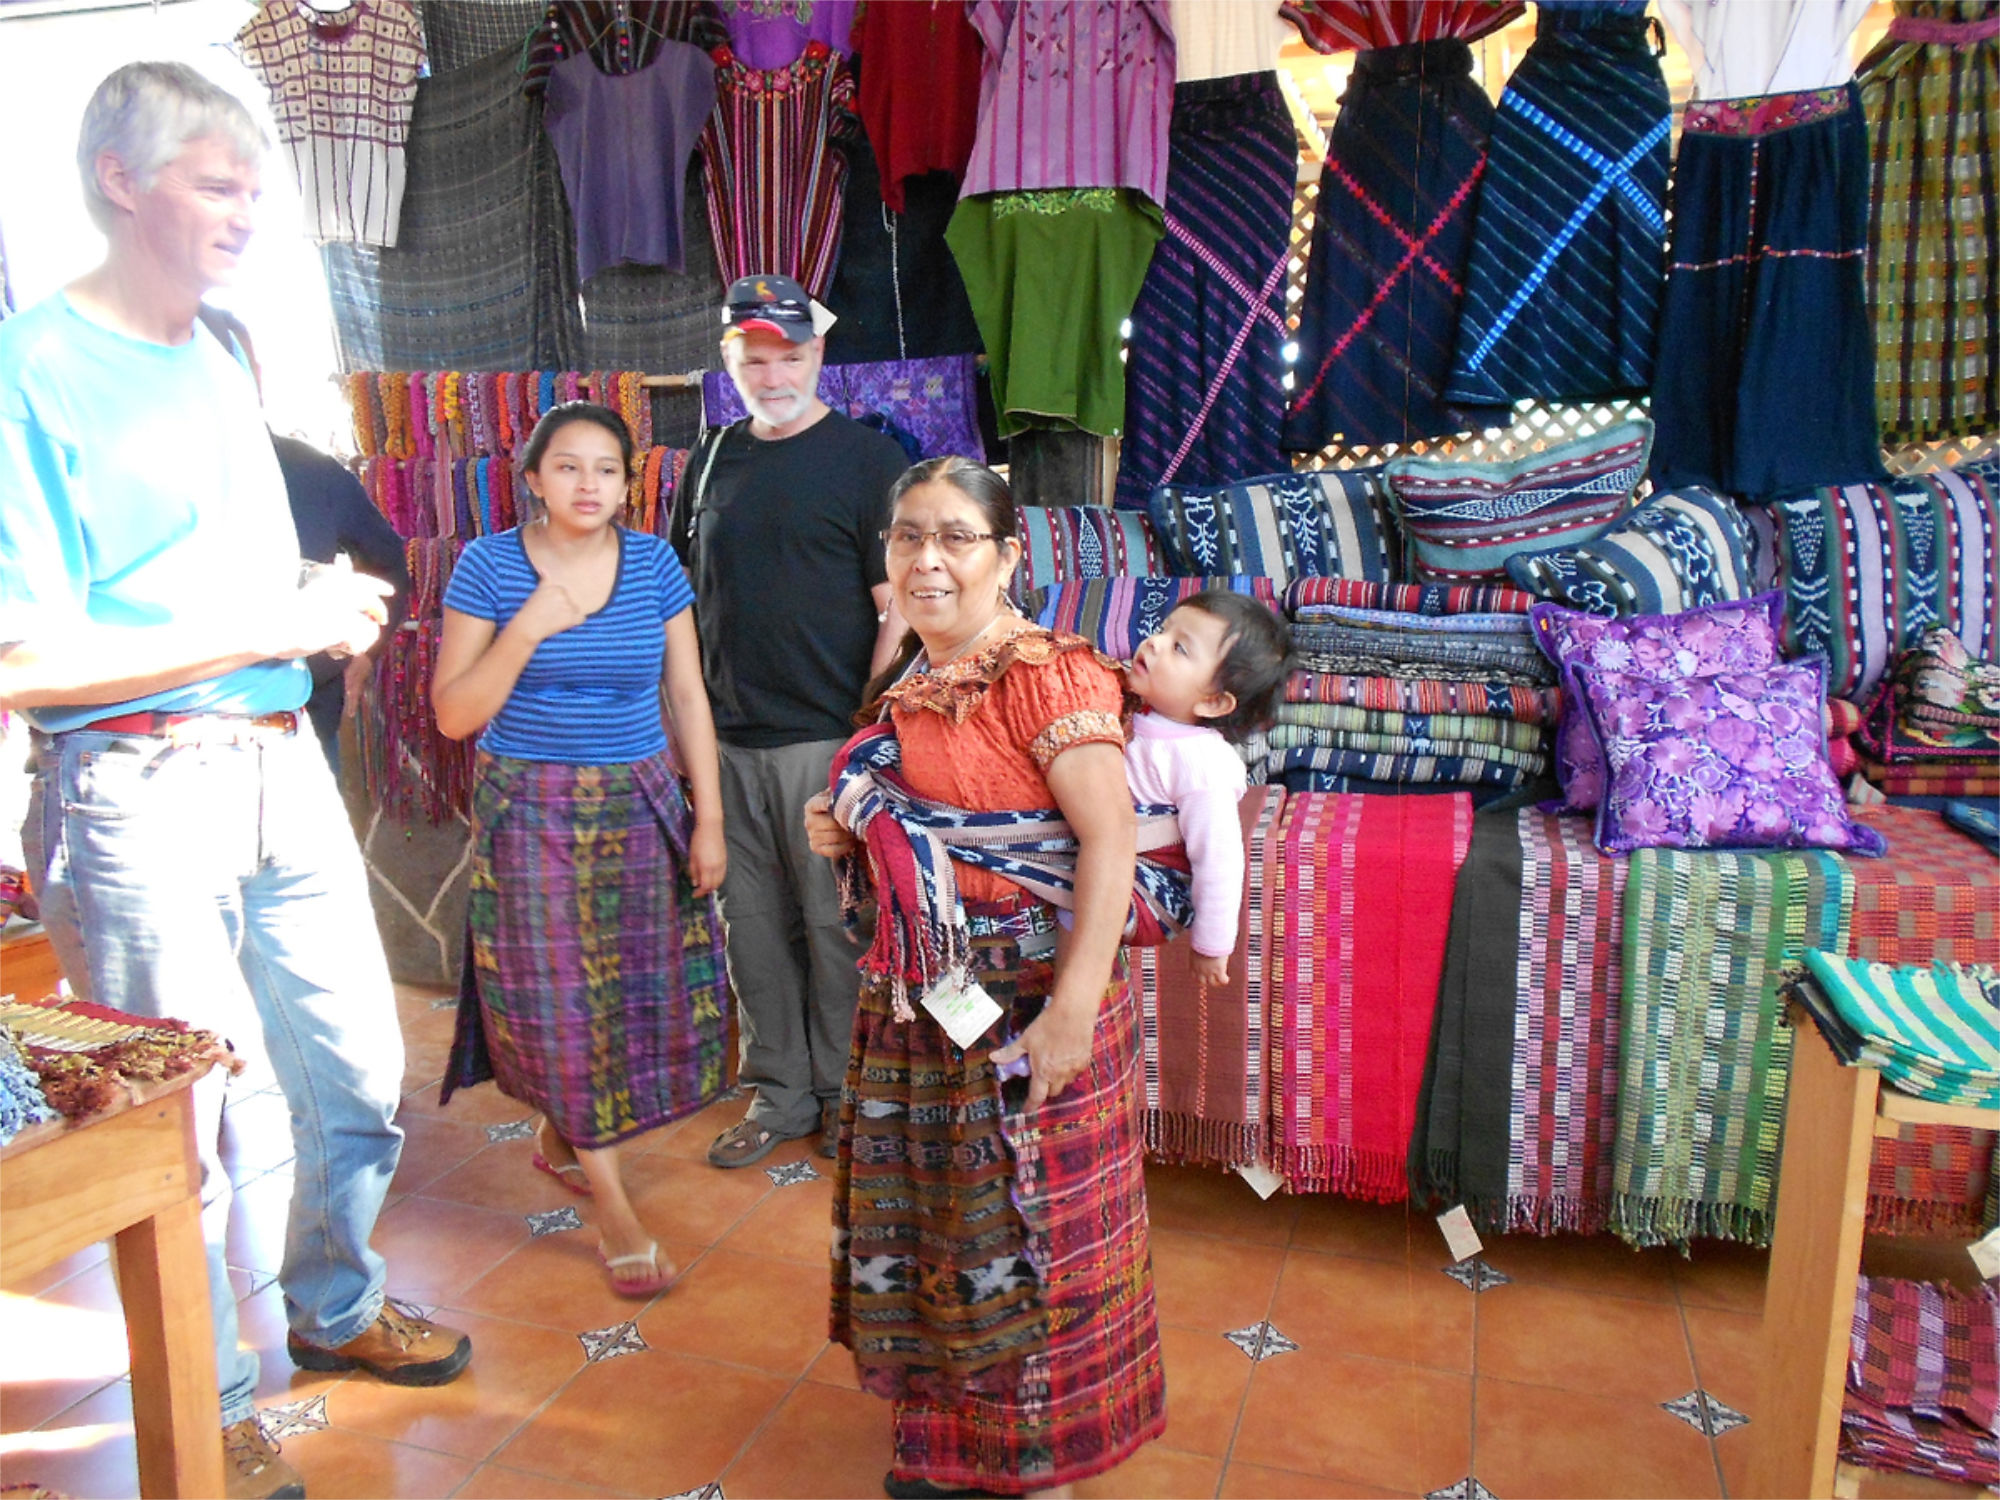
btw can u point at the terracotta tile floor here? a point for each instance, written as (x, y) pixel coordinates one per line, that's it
(1379, 1375)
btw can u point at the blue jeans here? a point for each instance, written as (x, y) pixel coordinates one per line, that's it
(182, 874)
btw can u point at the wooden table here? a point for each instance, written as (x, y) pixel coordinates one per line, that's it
(1833, 1115)
(132, 1177)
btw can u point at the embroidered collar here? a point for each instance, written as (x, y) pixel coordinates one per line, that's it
(957, 688)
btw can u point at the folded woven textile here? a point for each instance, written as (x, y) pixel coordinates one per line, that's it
(1474, 730)
(1468, 656)
(1485, 769)
(1522, 1077)
(1933, 778)
(1704, 1060)
(1282, 737)
(1923, 1380)
(1420, 695)
(1357, 943)
(1932, 1031)
(1304, 594)
(1482, 623)
(1207, 1079)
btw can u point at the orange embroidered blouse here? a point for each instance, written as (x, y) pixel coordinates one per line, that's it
(980, 732)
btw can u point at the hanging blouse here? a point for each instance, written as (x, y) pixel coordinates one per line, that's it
(1073, 94)
(1220, 41)
(621, 36)
(623, 144)
(1743, 48)
(770, 34)
(774, 176)
(457, 35)
(341, 84)
(919, 89)
(1347, 25)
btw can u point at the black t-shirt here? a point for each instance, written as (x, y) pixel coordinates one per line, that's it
(786, 547)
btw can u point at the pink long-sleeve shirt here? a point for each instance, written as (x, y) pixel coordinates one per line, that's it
(1200, 773)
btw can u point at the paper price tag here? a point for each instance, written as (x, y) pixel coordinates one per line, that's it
(1260, 1177)
(962, 1007)
(1985, 1254)
(1459, 1235)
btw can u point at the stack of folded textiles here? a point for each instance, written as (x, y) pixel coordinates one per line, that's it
(1407, 687)
(1931, 1032)
(1923, 1381)
(1933, 727)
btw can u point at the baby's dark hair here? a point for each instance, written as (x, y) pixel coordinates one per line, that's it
(1256, 660)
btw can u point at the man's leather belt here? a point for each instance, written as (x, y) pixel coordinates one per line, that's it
(169, 726)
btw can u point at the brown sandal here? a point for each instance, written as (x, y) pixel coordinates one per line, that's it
(743, 1144)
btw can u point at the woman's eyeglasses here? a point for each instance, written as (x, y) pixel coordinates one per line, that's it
(953, 541)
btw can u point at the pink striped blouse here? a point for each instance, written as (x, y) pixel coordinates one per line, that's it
(1072, 93)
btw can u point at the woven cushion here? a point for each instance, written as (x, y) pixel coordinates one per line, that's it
(1736, 760)
(1866, 569)
(1062, 542)
(1115, 614)
(1327, 524)
(1462, 520)
(1735, 637)
(1678, 550)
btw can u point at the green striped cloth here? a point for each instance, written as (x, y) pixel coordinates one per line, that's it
(1703, 1059)
(1473, 728)
(1932, 1032)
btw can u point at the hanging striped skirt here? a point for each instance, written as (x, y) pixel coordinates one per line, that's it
(991, 1270)
(774, 175)
(1390, 233)
(601, 979)
(1931, 92)
(1204, 400)
(1569, 248)
(1764, 377)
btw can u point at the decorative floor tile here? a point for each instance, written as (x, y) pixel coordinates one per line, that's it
(706, 1492)
(792, 1173)
(1705, 1414)
(555, 1221)
(513, 1130)
(293, 1418)
(1476, 1276)
(1467, 1488)
(445, 1002)
(600, 1344)
(1261, 1342)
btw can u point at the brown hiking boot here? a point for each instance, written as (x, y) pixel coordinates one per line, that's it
(251, 1468)
(398, 1347)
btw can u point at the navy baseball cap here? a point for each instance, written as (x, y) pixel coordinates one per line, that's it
(773, 304)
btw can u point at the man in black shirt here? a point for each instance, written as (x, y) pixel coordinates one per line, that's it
(779, 526)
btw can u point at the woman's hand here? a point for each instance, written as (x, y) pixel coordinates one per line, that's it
(550, 610)
(1209, 973)
(708, 857)
(823, 834)
(1057, 1046)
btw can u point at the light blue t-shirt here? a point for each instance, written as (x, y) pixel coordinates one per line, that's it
(590, 695)
(138, 488)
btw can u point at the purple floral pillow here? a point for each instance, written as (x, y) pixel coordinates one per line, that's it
(1738, 636)
(1730, 760)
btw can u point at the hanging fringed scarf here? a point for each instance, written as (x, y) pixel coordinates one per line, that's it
(921, 935)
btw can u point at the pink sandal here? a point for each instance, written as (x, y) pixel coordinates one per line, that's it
(658, 1281)
(579, 1183)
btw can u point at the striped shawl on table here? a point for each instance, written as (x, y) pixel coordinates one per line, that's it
(1207, 1078)
(1357, 941)
(1306, 596)
(1416, 695)
(1474, 729)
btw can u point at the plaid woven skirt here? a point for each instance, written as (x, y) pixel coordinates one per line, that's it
(601, 977)
(991, 1270)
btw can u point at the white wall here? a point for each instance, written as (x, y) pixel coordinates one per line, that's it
(48, 67)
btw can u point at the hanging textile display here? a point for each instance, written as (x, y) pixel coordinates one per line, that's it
(1219, 41)
(774, 176)
(1931, 94)
(621, 36)
(484, 274)
(649, 318)
(1204, 397)
(456, 34)
(897, 289)
(623, 143)
(1062, 200)
(342, 83)
(1343, 25)
(1387, 269)
(919, 83)
(928, 405)
(769, 34)
(1568, 249)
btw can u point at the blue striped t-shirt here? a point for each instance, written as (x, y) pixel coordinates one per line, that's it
(590, 695)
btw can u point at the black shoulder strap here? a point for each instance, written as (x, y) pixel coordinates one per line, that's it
(684, 526)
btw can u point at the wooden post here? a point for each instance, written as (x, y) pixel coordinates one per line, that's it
(161, 1267)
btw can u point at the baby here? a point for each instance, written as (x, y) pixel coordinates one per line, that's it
(1210, 677)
